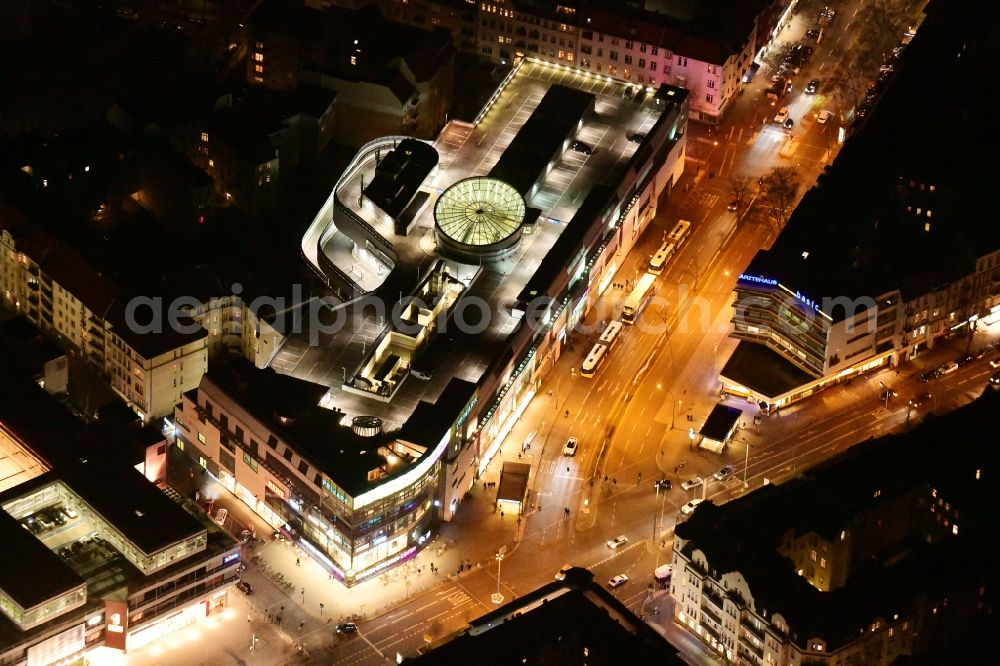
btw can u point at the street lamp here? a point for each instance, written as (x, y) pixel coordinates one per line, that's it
(497, 598)
(887, 393)
(746, 465)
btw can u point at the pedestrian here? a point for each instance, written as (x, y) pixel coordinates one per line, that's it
(614, 481)
(298, 562)
(567, 468)
(302, 623)
(282, 610)
(501, 514)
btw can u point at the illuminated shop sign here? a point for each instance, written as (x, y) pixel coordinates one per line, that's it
(231, 557)
(771, 282)
(756, 279)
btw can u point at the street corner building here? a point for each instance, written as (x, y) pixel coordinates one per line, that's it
(95, 556)
(467, 264)
(571, 621)
(896, 247)
(884, 552)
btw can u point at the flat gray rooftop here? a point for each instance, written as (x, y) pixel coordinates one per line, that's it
(469, 151)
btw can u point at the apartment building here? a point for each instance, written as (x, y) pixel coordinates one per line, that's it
(359, 500)
(388, 78)
(62, 294)
(832, 568)
(890, 253)
(706, 47)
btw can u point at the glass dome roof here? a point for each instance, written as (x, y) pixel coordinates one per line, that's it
(479, 211)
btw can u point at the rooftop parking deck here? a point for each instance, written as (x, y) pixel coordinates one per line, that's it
(375, 259)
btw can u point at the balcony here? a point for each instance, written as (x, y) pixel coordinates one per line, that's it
(710, 612)
(758, 633)
(714, 597)
(753, 649)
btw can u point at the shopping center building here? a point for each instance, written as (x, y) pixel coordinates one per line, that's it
(459, 269)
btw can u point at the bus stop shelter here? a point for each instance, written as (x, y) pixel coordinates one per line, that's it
(719, 428)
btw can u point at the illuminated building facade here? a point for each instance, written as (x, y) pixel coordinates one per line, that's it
(94, 554)
(358, 499)
(830, 569)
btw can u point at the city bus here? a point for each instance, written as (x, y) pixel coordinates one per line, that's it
(679, 233)
(594, 359)
(660, 259)
(638, 299)
(610, 335)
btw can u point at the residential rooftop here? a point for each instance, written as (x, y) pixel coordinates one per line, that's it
(744, 535)
(572, 621)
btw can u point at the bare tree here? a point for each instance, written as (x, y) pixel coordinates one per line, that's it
(780, 188)
(847, 86)
(772, 58)
(881, 25)
(739, 188)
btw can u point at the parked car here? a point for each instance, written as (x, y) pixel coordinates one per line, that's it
(823, 116)
(581, 147)
(244, 587)
(570, 448)
(55, 515)
(561, 574)
(995, 363)
(965, 358)
(693, 483)
(70, 512)
(733, 205)
(347, 628)
(220, 516)
(663, 484)
(920, 400)
(948, 368)
(812, 87)
(995, 380)
(44, 521)
(636, 137)
(782, 115)
(724, 473)
(618, 580)
(617, 542)
(788, 124)
(928, 375)
(689, 508)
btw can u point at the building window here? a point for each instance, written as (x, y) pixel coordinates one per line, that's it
(711, 83)
(258, 57)
(250, 462)
(354, 60)
(682, 61)
(655, 50)
(652, 65)
(642, 63)
(709, 98)
(812, 555)
(204, 137)
(613, 55)
(259, 69)
(201, 437)
(822, 562)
